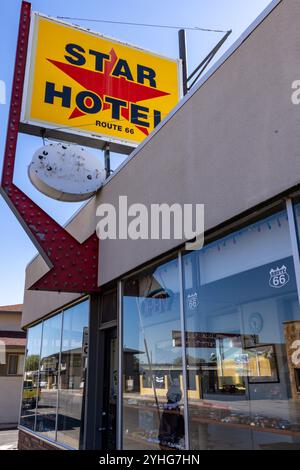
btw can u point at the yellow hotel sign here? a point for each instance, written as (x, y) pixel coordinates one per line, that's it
(82, 83)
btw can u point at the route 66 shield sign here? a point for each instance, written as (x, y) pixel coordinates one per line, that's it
(279, 277)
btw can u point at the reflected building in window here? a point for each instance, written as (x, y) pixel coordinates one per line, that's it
(236, 338)
(55, 376)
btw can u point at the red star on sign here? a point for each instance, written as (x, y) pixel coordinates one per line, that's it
(105, 84)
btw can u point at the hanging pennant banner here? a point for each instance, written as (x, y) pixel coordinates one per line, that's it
(85, 84)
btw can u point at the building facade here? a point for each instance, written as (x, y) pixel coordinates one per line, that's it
(12, 355)
(188, 349)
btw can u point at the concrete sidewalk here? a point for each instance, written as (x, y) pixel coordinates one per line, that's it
(8, 439)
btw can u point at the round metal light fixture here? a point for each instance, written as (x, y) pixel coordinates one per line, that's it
(66, 172)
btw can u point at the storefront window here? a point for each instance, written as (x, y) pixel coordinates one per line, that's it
(73, 364)
(153, 410)
(242, 340)
(31, 376)
(48, 382)
(54, 381)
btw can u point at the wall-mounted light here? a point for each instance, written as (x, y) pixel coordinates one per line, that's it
(66, 172)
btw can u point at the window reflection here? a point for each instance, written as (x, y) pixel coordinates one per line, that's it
(55, 371)
(31, 377)
(48, 379)
(72, 375)
(152, 362)
(242, 320)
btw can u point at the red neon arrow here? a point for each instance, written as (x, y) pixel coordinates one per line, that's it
(73, 265)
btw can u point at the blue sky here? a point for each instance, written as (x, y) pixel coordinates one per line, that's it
(16, 250)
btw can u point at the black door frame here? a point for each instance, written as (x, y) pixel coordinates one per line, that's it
(94, 406)
(110, 333)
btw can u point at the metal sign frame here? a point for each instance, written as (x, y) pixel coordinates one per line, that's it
(73, 134)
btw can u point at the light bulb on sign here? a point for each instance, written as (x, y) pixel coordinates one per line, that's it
(66, 172)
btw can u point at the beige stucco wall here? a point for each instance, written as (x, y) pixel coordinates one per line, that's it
(37, 304)
(10, 388)
(10, 321)
(235, 143)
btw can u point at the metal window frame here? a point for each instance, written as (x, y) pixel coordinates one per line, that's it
(294, 241)
(39, 374)
(183, 352)
(93, 396)
(175, 256)
(110, 323)
(58, 372)
(59, 311)
(120, 367)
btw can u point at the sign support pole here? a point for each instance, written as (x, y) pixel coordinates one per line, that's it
(205, 62)
(107, 160)
(183, 57)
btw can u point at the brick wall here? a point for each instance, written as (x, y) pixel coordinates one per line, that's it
(29, 442)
